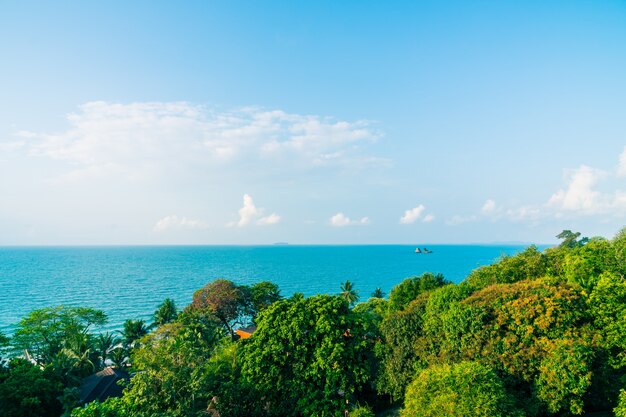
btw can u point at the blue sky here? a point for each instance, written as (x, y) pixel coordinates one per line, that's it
(311, 122)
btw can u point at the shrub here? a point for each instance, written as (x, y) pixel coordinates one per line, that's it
(466, 389)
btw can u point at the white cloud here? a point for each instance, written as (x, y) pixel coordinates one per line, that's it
(489, 207)
(269, 220)
(341, 220)
(410, 216)
(579, 195)
(12, 146)
(145, 139)
(428, 218)
(249, 213)
(621, 168)
(173, 222)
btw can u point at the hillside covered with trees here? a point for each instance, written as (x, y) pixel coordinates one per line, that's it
(535, 334)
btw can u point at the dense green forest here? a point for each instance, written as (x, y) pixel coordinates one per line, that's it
(535, 334)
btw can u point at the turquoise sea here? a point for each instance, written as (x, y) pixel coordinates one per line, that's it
(129, 282)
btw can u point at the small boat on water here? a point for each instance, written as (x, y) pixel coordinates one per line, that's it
(425, 250)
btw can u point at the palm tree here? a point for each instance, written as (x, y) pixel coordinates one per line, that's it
(378, 293)
(105, 343)
(166, 312)
(75, 360)
(133, 331)
(118, 357)
(348, 293)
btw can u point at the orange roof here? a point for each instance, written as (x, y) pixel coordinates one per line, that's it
(245, 332)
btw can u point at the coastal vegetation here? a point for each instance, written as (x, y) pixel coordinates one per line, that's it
(540, 333)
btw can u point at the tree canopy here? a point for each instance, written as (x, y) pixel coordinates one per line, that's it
(308, 356)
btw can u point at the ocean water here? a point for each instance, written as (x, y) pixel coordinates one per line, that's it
(130, 282)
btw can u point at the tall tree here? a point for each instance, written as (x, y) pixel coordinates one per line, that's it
(348, 292)
(308, 356)
(4, 343)
(28, 390)
(45, 331)
(408, 290)
(133, 331)
(570, 239)
(104, 344)
(224, 300)
(378, 293)
(262, 295)
(166, 312)
(178, 370)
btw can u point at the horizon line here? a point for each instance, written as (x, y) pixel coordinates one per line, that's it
(277, 244)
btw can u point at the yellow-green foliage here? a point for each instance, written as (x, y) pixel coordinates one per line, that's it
(545, 336)
(607, 304)
(565, 375)
(362, 411)
(620, 410)
(585, 264)
(529, 264)
(465, 389)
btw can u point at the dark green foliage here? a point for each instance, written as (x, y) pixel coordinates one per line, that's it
(262, 295)
(570, 239)
(235, 398)
(119, 357)
(4, 340)
(26, 390)
(378, 293)
(77, 359)
(308, 356)
(399, 357)
(372, 313)
(133, 331)
(166, 312)
(4, 344)
(408, 290)
(465, 389)
(105, 343)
